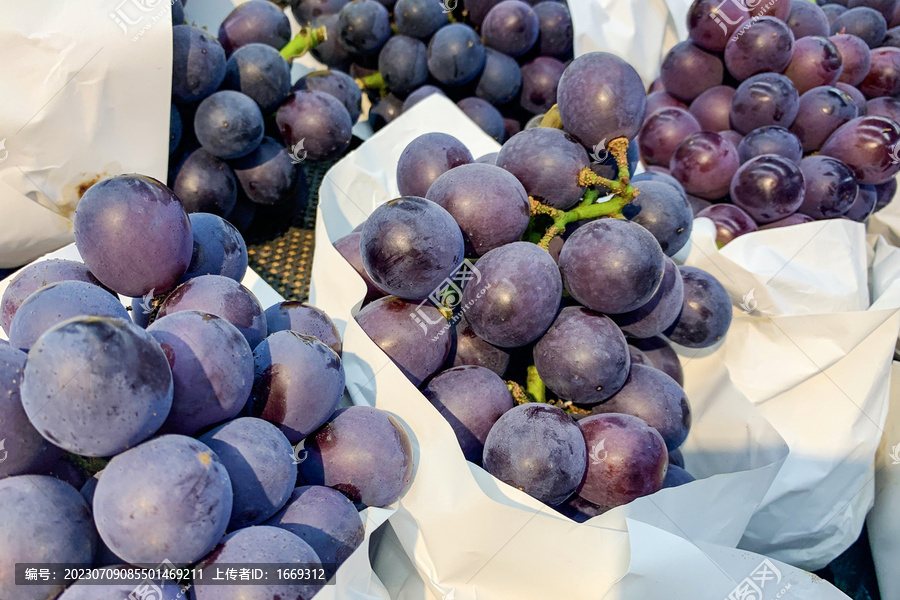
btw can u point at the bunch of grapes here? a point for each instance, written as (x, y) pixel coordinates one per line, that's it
(779, 113)
(178, 422)
(531, 295)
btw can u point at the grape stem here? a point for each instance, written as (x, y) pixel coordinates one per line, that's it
(536, 391)
(534, 385)
(303, 42)
(374, 81)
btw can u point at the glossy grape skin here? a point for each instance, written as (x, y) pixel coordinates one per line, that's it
(469, 349)
(223, 297)
(455, 54)
(500, 80)
(795, 219)
(638, 357)
(866, 23)
(704, 164)
(338, 84)
(46, 521)
(35, 276)
(765, 99)
(677, 476)
(732, 136)
(816, 61)
(419, 18)
(662, 210)
(833, 11)
(661, 177)
(731, 221)
(662, 99)
(317, 119)
(886, 107)
(822, 110)
(229, 124)
(32, 453)
(364, 26)
(770, 139)
(384, 111)
(829, 187)
(883, 78)
(56, 303)
(363, 452)
(331, 52)
(885, 193)
(260, 72)
(863, 205)
(218, 248)
(855, 57)
(348, 247)
(712, 23)
(261, 544)
(402, 63)
(688, 70)
(711, 108)
(311, 10)
(488, 203)
(268, 175)
(517, 296)
(484, 115)
(706, 315)
(540, 84)
(511, 27)
(865, 144)
(88, 588)
(855, 95)
(425, 159)
(471, 399)
(325, 519)
(660, 312)
(176, 128)
(478, 9)
(133, 234)
(661, 133)
(205, 183)
(600, 98)
(760, 46)
(547, 162)
(768, 188)
(555, 21)
(198, 64)
(627, 459)
(807, 19)
(550, 470)
(254, 22)
(661, 356)
(306, 319)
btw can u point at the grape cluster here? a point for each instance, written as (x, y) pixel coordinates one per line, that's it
(780, 114)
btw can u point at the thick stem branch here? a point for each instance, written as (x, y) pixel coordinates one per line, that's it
(304, 41)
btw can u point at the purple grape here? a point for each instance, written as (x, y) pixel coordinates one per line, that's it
(469, 349)
(133, 234)
(325, 519)
(425, 159)
(205, 183)
(780, 9)
(516, 297)
(348, 247)
(662, 357)
(364, 26)
(711, 23)
(484, 115)
(712, 108)
(600, 98)
(255, 22)
(317, 121)
(260, 72)
(540, 81)
(660, 312)
(268, 175)
(336, 83)
(885, 193)
(218, 248)
(402, 63)
(833, 11)
(704, 164)
(583, 357)
(855, 95)
(892, 38)
(883, 78)
(549, 470)
(822, 110)
(488, 159)
(661, 133)
(732, 136)
(419, 18)
(706, 315)
(768, 188)
(829, 187)
(500, 81)
(887, 8)
(331, 52)
(866, 23)
(675, 475)
(662, 177)
(730, 221)
(807, 19)
(688, 70)
(865, 144)
(229, 124)
(198, 64)
(638, 357)
(455, 54)
(384, 111)
(306, 319)
(471, 399)
(626, 459)
(886, 107)
(555, 37)
(488, 203)
(795, 219)
(414, 336)
(816, 61)
(759, 46)
(765, 99)
(661, 99)
(511, 27)
(697, 204)
(855, 57)
(309, 11)
(176, 128)
(664, 211)
(363, 452)
(863, 205)
(770, 139)
(223, 297)
(478, 9)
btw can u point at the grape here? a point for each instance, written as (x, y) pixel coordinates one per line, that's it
(863, 205)
(218, 248)
(795, 219)
(780, 9)
(855, 95)
(363, 452)
(730, 222)
(325, 519)
(425, 159)
(662, 210)
(829, 187)
(886, 7)
(469, 349)
(675, 475)
(511, 27)
(384, 111)
(488, 203)
(255, 22)
(241, 216)
(516, 297)
(765, 99)
(30, 453)
(886, 107)
(262, 544)
(485, 116)
(260, 72)
(478, 9)
(229, 124)
(833, 11)
(119, 394)
(133, 234)
(885, 193)
(419, 18)
(268, 175)
(706, 315)
(866, 23)
(697, 204)
(865, 145)
(331, 52)
(660, 312)
(816, 61)
(205, 183)
(892, 38)
(662, 177)
(260, 463)
(488, 159)
(712, 108)
(175, 129)
(348, 247)
(500, 80)
(612, 266)
(177, 13)
(455, 54)
(538, 449)
(759, 46)
(88, 588)
(627, 459)
(547, 162)
(338, 84)
(768, 188)
(770, 139)
(661, 133)
(704, 164)
(420, 94)
(658, 100)
(223, 297)
(540, 83)
(687, 71)
(364, 26)
(601, 97)
(311, 10)
(555, 37)
(317, 121)
(662, 357)
(807, 19)
(56, 303)
(821, 111)
(306, 319)
(638, 357)
(402, 63)
(471, 398)
(583, 357)
(413, 336)
(676, 458)
(198, 64)
(711, 23)
(43, 520)
(732, 136)
(855, 57)
(35, 276)
(883, 78)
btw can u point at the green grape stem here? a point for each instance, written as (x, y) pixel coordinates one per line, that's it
(303, 42)
(373, 81)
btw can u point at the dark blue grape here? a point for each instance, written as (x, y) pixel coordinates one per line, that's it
(419, 18)
(403, 64)
(268, 175)
(338, 84)
(218, 248)
(420, 94)
(308, 11)
(660, 312)
(256, 21)
(511, 27)
(259, 71)
(663, 211)
(485, 116)
(205, 183)
(662, 357)
(175, 129)
(364, 26)
(863, 205)
(556, 29)
(540, 81)
(706, 315)
(455, 54)
(229, 124)
(425, 159)
(500, 80)
(317, 121)
(384, 111)
(675, 475)
(331, 52)
(866, 23)
(198, 64)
